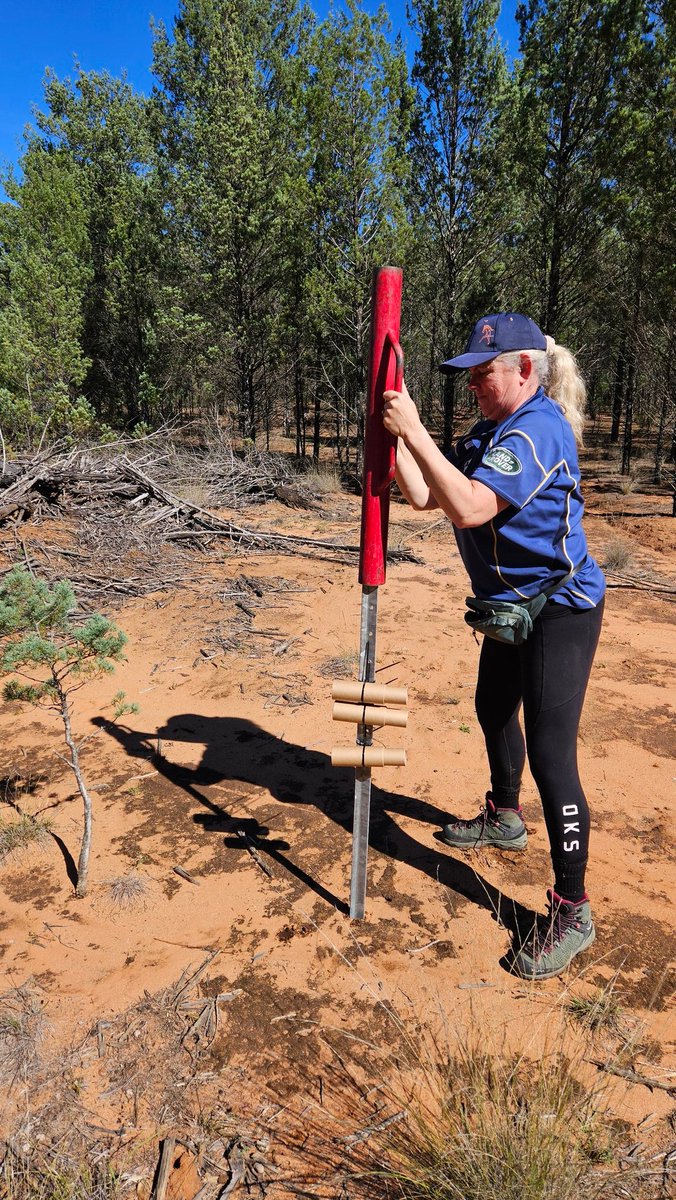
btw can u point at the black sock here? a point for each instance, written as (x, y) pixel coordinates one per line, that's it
(569, 880)
(504, 797)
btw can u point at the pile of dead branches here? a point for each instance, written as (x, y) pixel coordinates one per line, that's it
(128, 532)
(152, 1080)
(218, 476)
(213, 474)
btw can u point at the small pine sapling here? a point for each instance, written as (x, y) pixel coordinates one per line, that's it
(121, 706)
(54, 657)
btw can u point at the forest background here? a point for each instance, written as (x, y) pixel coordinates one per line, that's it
(207, 249)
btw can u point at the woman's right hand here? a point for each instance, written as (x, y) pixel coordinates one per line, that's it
(400, 415)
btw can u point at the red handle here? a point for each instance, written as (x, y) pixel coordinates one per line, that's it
(398, 384)
(386, 370)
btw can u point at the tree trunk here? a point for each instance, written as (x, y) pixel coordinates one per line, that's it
(449, 413)
(432, 376)
(316, 424)
(617, 397)
(627, 443)
(299, 397)
(671, 393)
(628, 417)
(339, 441)
(554, 286)
(250, 406)
(559, 230)
(85, 848)
(267, 410)
(659, 441)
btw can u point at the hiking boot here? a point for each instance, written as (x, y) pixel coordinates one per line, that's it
(499, 827)
(567, 930)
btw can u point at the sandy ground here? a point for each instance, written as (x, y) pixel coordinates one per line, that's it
(238, 740)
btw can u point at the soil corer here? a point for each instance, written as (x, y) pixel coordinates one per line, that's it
(385, 371)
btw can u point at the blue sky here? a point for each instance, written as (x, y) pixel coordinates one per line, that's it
(111, 35)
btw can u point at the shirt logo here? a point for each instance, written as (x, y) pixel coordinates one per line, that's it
(503, 460)
(486, 334)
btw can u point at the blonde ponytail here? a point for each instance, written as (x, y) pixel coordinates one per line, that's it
(559, 375)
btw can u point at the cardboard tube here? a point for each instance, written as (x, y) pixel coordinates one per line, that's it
(367, 756)
(367, 693)
(365, 714)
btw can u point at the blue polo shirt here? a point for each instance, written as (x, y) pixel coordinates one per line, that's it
(530, 459)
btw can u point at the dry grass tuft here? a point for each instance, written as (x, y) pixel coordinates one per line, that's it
(198, 494)
(601, 1010)
(485, 1126)
(50, 1179)
(455, 1116)
(128, 891)
(471, 1127)
(399, 537)
(617, 554)
(27, 831)
(22, 1027)
(342, 666)
(629, 483)
(321, 480)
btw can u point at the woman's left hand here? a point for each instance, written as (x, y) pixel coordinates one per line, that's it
(400, 415)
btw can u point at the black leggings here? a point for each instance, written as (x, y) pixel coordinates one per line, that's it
(549, 675)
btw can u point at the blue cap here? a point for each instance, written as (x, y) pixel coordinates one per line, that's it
(497, 334)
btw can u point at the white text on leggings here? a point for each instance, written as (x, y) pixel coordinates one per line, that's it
(571, 810)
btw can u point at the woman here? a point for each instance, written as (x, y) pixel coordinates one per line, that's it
(511, 487)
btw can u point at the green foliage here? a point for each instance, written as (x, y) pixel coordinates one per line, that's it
(40, 639)
(567, 98)
(600, 1010)
(104, 130)
(121, 706)
(28, 693)
(54, 655)
(226, 127)
(358, 103)
(209, 249)
(462, 196)
(44, 246)
(27, 603)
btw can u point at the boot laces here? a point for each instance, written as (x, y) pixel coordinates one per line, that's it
(552, 928)
(483, 816)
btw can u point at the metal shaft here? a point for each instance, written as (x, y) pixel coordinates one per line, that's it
(362, 785)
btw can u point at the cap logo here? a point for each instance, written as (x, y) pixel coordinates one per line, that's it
(487, 332)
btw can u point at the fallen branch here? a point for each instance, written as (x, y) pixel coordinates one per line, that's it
(185, 985)
(163, 1169)
(266, 538)
(120, 501)
(634, 1077)
(624, 513)
(641, 585)
(250, 847)
(186, 875)
(363, 1135)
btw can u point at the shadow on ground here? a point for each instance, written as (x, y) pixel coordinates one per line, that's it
(238, 750)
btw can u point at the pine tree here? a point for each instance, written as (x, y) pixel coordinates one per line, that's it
(358, 106)
(105, 131)
(574, 56)
(225, 140)
(44, 276)
(461, 199)
(641, 150)
(53, 658)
